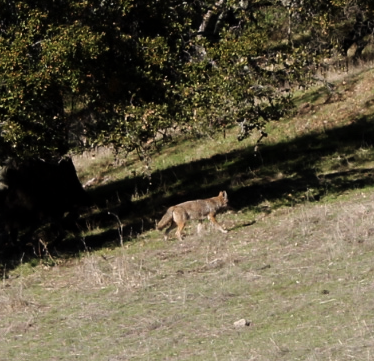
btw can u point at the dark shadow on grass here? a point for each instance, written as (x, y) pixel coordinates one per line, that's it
(283, 174)
(242, 225)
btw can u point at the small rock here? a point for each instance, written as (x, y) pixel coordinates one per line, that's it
(242, 323)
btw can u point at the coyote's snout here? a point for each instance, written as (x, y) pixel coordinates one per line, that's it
(178, 215)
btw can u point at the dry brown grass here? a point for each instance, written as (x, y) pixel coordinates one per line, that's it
(302, 276)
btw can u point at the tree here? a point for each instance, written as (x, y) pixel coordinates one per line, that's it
(77, 73)
(98, 69)
(334, 25)
(43, 60)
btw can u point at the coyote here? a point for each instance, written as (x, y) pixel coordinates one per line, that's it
(178, 215)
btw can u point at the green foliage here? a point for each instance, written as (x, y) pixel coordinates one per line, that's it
(41, 62)
(80, 73)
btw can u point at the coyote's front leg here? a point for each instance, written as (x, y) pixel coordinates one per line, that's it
(212, 218)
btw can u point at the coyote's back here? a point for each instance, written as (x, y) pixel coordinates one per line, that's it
(178, 215)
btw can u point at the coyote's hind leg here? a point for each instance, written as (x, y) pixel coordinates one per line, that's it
(178, 233)
(172, 226)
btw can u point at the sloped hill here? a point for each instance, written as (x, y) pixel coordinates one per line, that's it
(302, 277)
(296, 264)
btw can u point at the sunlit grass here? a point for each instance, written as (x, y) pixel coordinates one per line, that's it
(296, 262)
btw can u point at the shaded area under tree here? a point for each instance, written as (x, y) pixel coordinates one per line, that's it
(249, 179)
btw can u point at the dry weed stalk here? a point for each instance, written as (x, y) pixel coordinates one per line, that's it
(118, 271)
(120, 228)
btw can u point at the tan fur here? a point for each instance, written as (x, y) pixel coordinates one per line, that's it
(178, 215)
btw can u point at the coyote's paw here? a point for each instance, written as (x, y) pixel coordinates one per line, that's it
(223, 230)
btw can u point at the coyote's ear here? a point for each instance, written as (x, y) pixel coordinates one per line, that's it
(223, 194)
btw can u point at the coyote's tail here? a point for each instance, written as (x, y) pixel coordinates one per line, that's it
(166, 219)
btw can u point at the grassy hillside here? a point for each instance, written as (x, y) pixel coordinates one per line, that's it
(296, 264)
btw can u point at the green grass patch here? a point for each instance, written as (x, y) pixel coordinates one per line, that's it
(296, 262)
